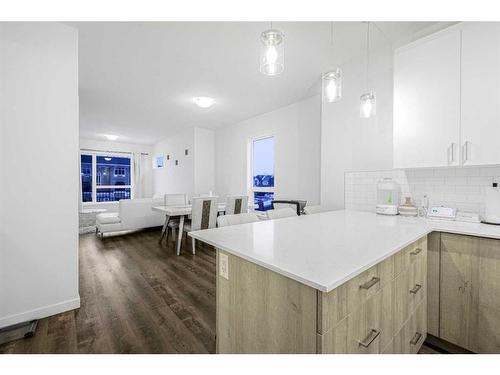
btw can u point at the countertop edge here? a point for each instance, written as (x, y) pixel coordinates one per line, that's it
(320, 287)
(442, 227)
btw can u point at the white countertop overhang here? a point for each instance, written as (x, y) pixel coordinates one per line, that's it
(325, 250)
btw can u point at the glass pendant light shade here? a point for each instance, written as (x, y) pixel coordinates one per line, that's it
(367, 105)
(332, 86)
(272, 54)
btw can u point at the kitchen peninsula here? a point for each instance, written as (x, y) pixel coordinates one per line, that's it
(353, 282)
(336, 282)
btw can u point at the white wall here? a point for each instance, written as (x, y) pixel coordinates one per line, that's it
(144, 187)
(296, 129)
(194, 173)
(38, 170)
(349, 143)
(204, 161)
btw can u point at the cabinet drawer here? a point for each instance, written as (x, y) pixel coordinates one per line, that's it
(419, 327)
(335, 340)
(369, 328)
(410, 254)
(342, 301)
(411, 336)
(409, 289)
(369, 283)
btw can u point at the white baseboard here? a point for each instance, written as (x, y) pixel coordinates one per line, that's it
(40, 313)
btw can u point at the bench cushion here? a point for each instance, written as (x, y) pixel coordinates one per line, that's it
(108, 218)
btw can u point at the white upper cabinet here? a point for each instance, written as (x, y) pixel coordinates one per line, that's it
(480, 127)
(427, 102)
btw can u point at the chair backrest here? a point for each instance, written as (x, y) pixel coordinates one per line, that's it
(244, 218)
(204, 213)
(236, 204)
(175, 199)
(309, 210)
(279, 213)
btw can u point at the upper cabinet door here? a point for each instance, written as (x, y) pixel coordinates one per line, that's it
(427, 102)
(480, 93)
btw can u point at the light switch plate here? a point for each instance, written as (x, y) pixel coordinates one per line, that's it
(223, 266)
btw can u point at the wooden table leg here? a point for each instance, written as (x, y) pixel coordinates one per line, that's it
(179, 236)
(164, 229)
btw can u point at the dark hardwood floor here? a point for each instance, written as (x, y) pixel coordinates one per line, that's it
(136, 297)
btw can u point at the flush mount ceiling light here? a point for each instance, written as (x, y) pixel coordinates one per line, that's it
(203, 101)
(332, 81)
(367, 101)
(111, 137)
(272, 54)
(107, 159)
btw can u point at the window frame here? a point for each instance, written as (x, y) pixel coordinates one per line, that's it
(96, 187)
(254, 189)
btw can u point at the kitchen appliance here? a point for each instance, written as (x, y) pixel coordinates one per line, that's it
(387, 197)
(492, 205)
(442, 213)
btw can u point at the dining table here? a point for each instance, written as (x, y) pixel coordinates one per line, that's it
(181, 212)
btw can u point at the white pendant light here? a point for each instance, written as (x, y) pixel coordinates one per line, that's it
(368, 100)
(368, 105)
(272, 55)
(332, 82)
(332, 86)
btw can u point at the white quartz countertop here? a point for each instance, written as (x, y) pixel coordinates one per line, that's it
(325, 250)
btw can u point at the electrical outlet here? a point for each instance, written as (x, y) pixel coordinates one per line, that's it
(223, 266)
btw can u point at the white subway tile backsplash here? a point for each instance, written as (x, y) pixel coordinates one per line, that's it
(460, 187)
(489, 171)
(445, 172)
(466, 172)
(480, 181)
(456, 180)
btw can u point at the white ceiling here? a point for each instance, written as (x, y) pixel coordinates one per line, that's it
(137, 78)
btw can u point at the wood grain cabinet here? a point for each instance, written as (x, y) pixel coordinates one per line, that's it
(469, 301)
(382, 310)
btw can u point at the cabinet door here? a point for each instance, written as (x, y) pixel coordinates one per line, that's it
(456, 303)
(427, 102)
(481, 93)
(433, 283)
(485, 324)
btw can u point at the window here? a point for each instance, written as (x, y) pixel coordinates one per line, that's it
(262, 172)
(106, 177)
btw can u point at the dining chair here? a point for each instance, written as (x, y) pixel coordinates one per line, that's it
(174, 200)
(244, 218)
(236, 204)
(309, 210)
(279, 213)
(203, 216)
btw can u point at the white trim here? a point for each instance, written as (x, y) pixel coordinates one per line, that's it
(250, 188)
(41, 312)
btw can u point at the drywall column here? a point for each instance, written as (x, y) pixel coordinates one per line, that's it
(38, 170)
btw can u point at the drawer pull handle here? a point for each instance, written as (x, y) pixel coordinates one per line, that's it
(370, 283)
(370, 338)
(416, 338)
(415, 289)
(416, 251)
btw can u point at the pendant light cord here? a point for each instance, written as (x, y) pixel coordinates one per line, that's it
(331, 33)
(367, 52)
